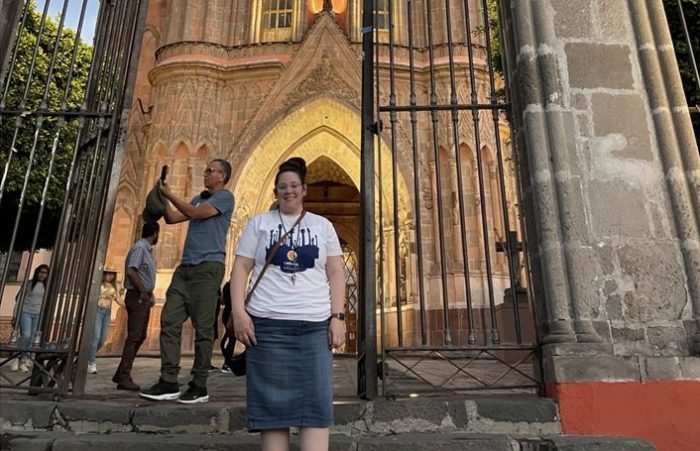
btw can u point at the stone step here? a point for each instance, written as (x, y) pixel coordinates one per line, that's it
(520, 416)
(130, 441)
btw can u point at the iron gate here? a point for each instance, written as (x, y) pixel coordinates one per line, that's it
(61, 151)
(440, 194)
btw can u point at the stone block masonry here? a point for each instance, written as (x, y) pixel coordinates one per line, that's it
(613, 210)
(488, 424)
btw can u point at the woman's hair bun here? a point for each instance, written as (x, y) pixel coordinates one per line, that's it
(297, 164)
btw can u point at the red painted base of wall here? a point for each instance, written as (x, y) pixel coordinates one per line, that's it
(666, 413)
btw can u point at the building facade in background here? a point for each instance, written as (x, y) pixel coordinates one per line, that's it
(256, 82)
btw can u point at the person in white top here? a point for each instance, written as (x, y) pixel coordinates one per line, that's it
(294, 317)
(27, 314)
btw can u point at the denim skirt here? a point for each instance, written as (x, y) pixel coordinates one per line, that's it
(289, 375)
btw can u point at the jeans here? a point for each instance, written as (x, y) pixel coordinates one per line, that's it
(102, 322)
(28, 324)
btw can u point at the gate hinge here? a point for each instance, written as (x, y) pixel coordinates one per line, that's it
(377, 127)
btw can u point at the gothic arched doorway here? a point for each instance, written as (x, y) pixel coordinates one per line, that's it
(326, 133)
(332, 194)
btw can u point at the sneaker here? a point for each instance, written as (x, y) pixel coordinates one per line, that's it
(162, 391)
(226, 370)
(23, 368)
(213, 369)
(92, 368)
(14, 365)
(128, 385)
(194, 394)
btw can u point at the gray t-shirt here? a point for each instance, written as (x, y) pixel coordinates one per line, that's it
(34, 298)
(206, 238)
(140, 257)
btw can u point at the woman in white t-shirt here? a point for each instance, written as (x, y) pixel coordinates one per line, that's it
(294, 317)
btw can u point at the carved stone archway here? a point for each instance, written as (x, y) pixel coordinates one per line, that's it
(322, 128)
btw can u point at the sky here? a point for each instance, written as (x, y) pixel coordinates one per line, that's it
(73, 14)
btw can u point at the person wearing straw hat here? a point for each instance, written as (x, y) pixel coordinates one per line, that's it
(109, 293)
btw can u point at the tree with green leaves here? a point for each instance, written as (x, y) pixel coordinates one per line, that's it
(691, 85)
(36, 90)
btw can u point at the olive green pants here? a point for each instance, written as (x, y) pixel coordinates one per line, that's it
(193, 293)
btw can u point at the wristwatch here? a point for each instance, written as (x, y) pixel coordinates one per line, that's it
(340, 316)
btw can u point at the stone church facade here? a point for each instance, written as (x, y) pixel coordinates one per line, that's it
(219, 79)
(606, 158)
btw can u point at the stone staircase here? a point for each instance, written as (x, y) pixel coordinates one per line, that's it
(476, 424)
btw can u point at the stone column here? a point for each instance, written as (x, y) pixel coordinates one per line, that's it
(610, 173)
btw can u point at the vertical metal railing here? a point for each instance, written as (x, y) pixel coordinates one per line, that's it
(65, 110)
(367, 331)
(465, 321)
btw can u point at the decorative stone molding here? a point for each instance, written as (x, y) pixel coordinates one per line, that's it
(674, 133)
(609, 171)
(536, 86)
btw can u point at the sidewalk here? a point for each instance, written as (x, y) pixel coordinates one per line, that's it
(112, 420)
(225, 388)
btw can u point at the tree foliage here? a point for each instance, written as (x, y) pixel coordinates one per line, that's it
(691, 8)
(494, 26)
(36, 86)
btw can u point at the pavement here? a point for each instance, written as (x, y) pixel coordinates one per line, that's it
(408, 377)
(111, 420)
(221, 386)
(224, 387)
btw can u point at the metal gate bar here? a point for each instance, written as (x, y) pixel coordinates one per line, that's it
(88, 132)
(367, 331)
(437, 272)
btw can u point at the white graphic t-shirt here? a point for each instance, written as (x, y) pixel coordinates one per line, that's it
(295, 286)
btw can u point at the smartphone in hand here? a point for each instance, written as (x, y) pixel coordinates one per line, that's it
(163, 172)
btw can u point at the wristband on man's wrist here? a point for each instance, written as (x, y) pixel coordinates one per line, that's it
(339, 316)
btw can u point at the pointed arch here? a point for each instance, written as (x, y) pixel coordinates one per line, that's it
(447, 196)
(322, 127)
(470, 196)
(493, 204)
(298, 133)
(199, 164)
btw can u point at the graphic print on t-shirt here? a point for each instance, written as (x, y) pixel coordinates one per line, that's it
(297, 253)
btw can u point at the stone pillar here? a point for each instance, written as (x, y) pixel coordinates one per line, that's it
(611, 183)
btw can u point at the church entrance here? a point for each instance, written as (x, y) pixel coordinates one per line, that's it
(333, 195)
(326, 134)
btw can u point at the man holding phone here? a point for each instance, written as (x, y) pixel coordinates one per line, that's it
(195, 283)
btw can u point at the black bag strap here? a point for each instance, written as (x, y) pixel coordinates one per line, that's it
(271, 256)
(229, 322)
